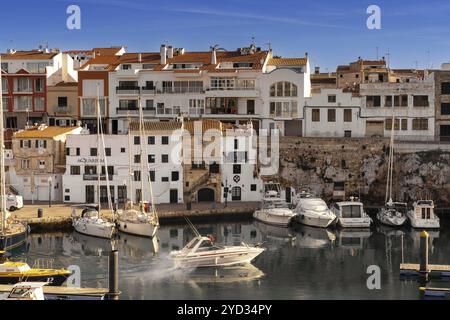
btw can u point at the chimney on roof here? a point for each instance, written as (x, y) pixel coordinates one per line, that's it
(170, 52)
(140, 57)
(213, 55)
(317, 70)
(163, 53)
(11, 51)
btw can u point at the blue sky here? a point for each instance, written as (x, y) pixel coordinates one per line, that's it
(332, 32)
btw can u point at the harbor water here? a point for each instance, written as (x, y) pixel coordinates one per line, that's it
(300, 262)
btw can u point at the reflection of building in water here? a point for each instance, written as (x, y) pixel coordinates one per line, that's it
(414, 234)
(353, 239)
(235, 234)
(85, 245)
(46, 242)
(171, 238)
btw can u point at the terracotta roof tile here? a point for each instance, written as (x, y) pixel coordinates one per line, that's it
(156, 126)
(29, 55)
(49, 132)
(287, 61)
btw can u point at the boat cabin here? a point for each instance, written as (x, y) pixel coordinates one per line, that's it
(424, 209)
(27, 291)
(200, 244)
(349, 209)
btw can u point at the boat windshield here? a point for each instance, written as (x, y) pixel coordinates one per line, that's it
(315, 204)
(276, 204)
(351, 211)
(208, 246)
(192, 244)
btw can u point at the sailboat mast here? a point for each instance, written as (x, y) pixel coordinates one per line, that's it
(98, 148)
(130, 163)
(390, 163)
(141, 133)
(2, 160)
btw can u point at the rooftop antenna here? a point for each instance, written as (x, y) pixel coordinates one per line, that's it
(429, 59)
(253, 40)
(416, 62)
(269, 45)
(388, 58)
(377, 52)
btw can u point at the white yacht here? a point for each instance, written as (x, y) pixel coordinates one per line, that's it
(274, 210)
(393, 214)
(202, 252)
(422, 215)
(351, 214)
(313, 212)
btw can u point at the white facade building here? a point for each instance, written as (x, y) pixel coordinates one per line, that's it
(165, 169)
(412, 104)
(233, 86)
(333, 113)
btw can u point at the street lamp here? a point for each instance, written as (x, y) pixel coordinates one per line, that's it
(50, 191)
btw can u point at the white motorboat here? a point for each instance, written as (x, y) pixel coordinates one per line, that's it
(394, 213)
(274, 210)
(351, 214)
(90, 223)
(202, 252)
(313, 212)
(25, 291)
(422, 216)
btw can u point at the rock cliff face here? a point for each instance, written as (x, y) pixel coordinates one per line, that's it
(323, 165)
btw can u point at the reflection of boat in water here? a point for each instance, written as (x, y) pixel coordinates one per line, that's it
(90, 246)
(272, 232)
(389, 231)
(352, 238)
(140, 246)
(312, 237)
(230, 274)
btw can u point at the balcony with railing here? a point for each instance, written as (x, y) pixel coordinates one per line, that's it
(232, 91)
(181, 90)
(61, 109)
(168, 111)
(129, 90)
(94, 177)
(135, 110)
(148, 90)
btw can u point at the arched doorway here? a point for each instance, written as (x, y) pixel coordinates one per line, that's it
(236, 194)
(206, 195)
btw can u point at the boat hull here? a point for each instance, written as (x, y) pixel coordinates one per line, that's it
(314, 221)
(389, 220)
(274, 219)
(354, 222)
(223, 259)
(423, 223)
(13, 240)
(56, 280)
(141, 229)
(98, 230)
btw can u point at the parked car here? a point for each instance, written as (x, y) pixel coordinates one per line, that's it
(14, 202)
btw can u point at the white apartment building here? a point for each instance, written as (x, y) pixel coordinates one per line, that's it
(333, 113)
(232, 86)
(412, 104)
(124, 168)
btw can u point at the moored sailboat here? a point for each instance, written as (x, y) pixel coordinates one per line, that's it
(12, 233)
(140, 222)
(90, 221)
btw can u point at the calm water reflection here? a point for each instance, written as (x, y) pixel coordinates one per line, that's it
(300, 262)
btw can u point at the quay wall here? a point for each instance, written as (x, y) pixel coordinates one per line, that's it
(320, 164)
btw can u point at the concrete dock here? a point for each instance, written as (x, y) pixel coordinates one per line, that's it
(57, 217)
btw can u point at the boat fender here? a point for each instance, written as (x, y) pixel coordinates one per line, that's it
(28, 229)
